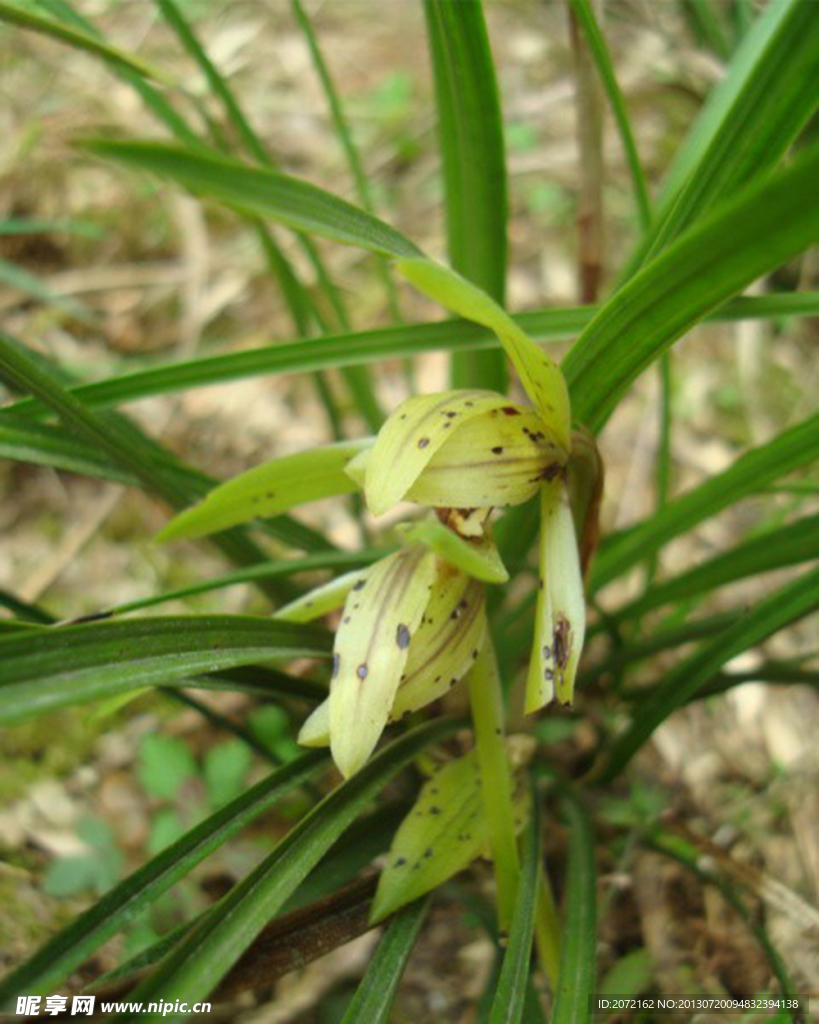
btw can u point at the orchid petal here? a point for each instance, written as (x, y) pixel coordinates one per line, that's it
(560, 617)
(538, 372)
(371, 648)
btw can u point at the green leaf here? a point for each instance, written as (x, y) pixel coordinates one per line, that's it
(793, 448)
(41, 444)
(374, 997)
(301, 303)
(64, 665)
(538, 372)
(786, 605)
(774, 549)
(380, 343)
(268, 490)
(445, 831)
(225, 769)
(197, 965)
(165, 765)
(510, 995)
(261, 192)
(77, 40)
(125, 444)
(750, 118)
(470, 134)
(578, 945)
(345, 138)
(760, 228)
(67, 950)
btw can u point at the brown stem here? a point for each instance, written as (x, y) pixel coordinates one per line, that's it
(589, 108)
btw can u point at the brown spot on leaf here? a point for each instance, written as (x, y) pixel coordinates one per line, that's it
(497, 451)
(423, 442)
(562, 642)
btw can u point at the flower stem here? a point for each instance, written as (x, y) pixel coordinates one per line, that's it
(486, 699)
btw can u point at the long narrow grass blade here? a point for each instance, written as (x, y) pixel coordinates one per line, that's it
(382, 343)
(605, 68)
(14, 15)
(261, 192)
(707, 26)
(471, 141)
(263, 571)
(130, 450)
(374, 997)
(153, 99)
(195, 967)
(301, 303)
(43, 445)
(578, 947)
(750, 119)
(510, 994)
(788, 604)
(66, 950)
(774, 549)
(345, 137)
(357, 848)
(766, 224)
(67, 665)
(792, 449)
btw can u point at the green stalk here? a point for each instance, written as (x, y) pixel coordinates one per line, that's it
(486, 700)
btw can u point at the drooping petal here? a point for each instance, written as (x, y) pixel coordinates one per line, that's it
(269, 490)
(498, 458)
(443, 833)
(371, 649)
(315, 732)
(477, 556)
(446, 643)
(321, 600)
(410, 438)
(560, 616)
(538, 372)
